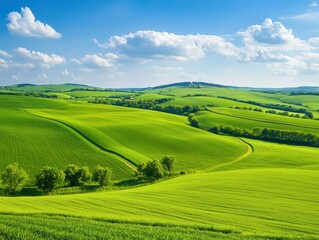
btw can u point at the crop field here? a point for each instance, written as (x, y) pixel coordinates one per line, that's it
(249, 120)
(150, 136)
(231, 187)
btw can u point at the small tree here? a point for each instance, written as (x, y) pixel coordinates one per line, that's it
(140, 169)
(153, 170)
(49, 178)
(77, 176)
(84, 175)
(168, 163)
(14, 178)
(192, 120)
(102, 175)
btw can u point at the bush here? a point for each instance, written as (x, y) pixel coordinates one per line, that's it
(153, 170)
(77, 176)
(168, 163)
(14, 178)
(49, 178)
(192, 120)
(102, 175)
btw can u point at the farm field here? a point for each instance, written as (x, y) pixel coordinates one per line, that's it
(246, 119)
(234, 187)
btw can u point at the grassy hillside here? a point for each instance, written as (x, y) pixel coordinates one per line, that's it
(266, 201)
(48, 87)
(246, 119)
(149, 136)
(235, 188)
(35, 142)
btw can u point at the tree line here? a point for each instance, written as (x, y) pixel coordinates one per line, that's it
(282, 107)
(268, 134)
(14, 177)
(151, 104)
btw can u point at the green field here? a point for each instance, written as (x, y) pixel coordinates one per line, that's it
(234, 188)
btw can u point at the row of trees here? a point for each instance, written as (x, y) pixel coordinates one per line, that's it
(14, 177)
(151, 104)
(282, 107)
(274, 135)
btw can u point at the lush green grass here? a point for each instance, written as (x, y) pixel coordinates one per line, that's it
(246, 119)
(269, 193)
(20, 102)
(39, 226)
(306, 100)
(36, 142)
(277, 202)
(143, 135)
(217, 91)
(274, 155)
(93, 94)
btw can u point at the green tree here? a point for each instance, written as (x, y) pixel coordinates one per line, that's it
(192, 120)
(77, 176)
(14, 178)
(153, 170)
(102, 175)
(49, 178)
(168, 163)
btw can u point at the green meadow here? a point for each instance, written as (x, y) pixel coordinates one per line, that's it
(231, 187)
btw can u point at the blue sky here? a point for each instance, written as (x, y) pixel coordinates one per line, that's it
(262, 43)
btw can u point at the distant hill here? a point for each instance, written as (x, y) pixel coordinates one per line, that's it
(189, 85)
(71, 86)
(48, 87)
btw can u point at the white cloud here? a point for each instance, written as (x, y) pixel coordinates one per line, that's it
(24, 24)
(314, 41)
(166, 68)
(4, 54)
(95, 61)
(42, 76)
(313, 4)
(16, 77)
(167, 46)
(65, 72)
(42, 59)
(268, 33)
(312, 16)
(3, 63)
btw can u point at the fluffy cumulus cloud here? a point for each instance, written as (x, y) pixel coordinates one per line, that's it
(38, 58)
(90, 62)
(168, 46)
(270, 42)
(269, 33)
(24, 24)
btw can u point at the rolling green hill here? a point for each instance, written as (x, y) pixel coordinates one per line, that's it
(235, 188)
(149, 136)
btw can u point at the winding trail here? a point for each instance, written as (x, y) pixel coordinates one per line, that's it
(104, 150)
(250, 150)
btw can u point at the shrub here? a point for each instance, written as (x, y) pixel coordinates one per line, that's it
(49, 178)
(153, 170)
(102, 175)
(14, 178)
(77, 176)
(168, 163)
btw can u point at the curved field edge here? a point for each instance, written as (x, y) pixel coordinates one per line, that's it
(256, 201)
(150, 136)
(34, 142)
(121, 158)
